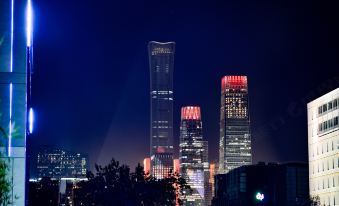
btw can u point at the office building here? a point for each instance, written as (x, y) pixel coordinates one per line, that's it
(191, 154)
(323, 147)
(235, 136)
(161, 62)
(58, 163)
(263, 184)
(15, 91)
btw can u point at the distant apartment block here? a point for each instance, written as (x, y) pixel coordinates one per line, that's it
(59, 163)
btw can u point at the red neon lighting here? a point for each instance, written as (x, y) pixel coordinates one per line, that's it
(147, 165)
(233, 81)
(176, 166)
(190, 113)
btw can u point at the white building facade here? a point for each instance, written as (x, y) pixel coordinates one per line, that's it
(323, 147)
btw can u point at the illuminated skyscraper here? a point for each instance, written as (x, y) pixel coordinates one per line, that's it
(15, 79)
(191, 154)
(323, 147)
(161, 61)
(235, 137)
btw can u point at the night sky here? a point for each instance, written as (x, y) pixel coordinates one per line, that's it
(91, 78)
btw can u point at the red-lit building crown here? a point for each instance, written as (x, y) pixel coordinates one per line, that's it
(190, 113)
(233, 82)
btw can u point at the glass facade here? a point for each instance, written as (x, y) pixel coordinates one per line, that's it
(15, 70)
(235, 137)
(191, 154)
(161, 61)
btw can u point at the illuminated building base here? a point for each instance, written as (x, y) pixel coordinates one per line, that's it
(162, 165)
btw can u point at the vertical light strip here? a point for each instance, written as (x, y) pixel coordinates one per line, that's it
(11, 85)
(31, 120)
(10, 120)
(12, 31)
(29, 21)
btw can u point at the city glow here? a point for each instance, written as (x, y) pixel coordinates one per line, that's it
(29, 23)
(31, 120)
(259, 196)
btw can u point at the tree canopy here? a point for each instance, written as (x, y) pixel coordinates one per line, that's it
(114, 184)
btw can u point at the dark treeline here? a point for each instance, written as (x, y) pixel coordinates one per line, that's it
(115, 185)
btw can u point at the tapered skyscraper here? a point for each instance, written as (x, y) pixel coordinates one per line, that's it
(235, 137)
(192, 155)
(161, 61)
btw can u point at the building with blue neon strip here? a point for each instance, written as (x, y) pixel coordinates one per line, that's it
(15, 95)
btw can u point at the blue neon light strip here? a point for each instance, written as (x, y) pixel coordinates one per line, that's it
(12, 31)
(31, 120)
(29, 23)
(10, 120)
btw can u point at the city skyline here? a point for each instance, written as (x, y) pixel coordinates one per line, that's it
(71, 82)
(118, 90)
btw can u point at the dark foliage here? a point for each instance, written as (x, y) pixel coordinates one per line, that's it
(44, 192)
(115, 185)
(5, 185)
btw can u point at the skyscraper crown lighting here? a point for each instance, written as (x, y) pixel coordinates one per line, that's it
(234, 82)
(190, 113)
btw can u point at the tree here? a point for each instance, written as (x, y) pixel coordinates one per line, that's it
(114, 184)
(315, 201)
(5, 185)
(44, 192)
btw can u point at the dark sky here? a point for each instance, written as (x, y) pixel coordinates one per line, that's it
(91, 80)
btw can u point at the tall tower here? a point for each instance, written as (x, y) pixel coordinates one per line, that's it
(161, 61)
(16, 117)
(323, 147)
(235, 137)
(191, 154)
